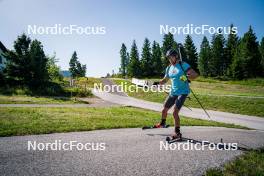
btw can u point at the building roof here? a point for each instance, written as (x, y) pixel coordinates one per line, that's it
(2, 47)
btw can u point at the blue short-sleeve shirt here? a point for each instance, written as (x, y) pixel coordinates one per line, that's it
(174, 72)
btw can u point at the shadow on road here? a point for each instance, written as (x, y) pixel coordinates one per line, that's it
(221, 145)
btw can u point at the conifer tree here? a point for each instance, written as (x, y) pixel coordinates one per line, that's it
(146, 65)
(191, 52)
(156, 59)
(204, 57)
(124, 60)
(261, 49)
(134, 64)
(247, 59)
(217, 64)
(231, 47)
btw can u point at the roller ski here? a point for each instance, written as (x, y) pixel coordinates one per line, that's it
(155, 126)
(177, 136)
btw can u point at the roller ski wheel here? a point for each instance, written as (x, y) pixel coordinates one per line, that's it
(174, 138)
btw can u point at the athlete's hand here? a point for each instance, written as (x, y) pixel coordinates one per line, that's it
(163, 81)
(184, 78)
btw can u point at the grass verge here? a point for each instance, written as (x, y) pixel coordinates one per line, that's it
(23, 99)
(250, 163)
(25, 121)
(239, 105)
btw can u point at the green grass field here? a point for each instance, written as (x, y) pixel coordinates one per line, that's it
(240, 105)
(22, 95)
(23, 99)
(25, 121)
(250, 163)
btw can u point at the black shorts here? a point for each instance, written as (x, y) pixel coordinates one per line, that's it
(177, 100)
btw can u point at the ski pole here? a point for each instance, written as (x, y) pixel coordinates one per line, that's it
(188, 81)
(200, 104)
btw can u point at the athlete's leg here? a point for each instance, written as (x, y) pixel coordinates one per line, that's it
(169, 102)
(178, 104)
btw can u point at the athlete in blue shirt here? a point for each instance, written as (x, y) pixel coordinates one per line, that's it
(179, 73)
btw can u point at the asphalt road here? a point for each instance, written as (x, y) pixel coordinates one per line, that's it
(127, 152)
(113, 89)
(253, 122)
